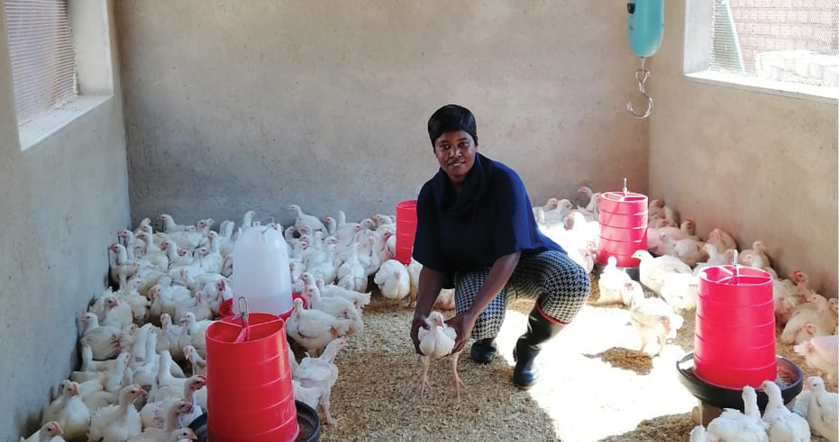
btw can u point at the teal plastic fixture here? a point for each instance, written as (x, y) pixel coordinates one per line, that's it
(645, 29)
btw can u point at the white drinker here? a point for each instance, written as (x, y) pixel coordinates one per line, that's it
(260, 271)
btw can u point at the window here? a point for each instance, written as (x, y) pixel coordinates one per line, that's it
(786, 45)
(60, 54)
(41, 52)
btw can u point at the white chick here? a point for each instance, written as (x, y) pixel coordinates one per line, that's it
(414, 269)
(822, 410)
(338, 307)
(782, 424)
(314, 329)
(653, 270)
(118, 423)
(49, 432)
(445, 300)
(436, 342)
(734, 426)
(680, 291)
(69, 411)
(393, 280)
(821, 353)
(610, 283)
(321, 373)
(650, 316)
(172, 429)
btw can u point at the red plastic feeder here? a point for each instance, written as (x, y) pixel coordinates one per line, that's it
(249, 392)
(623, 227)
(735, 327)
(406, 229)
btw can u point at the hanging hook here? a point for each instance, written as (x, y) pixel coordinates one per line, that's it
(642, 75)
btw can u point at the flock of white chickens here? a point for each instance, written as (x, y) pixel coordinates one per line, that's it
(809, 320)
(172, 283)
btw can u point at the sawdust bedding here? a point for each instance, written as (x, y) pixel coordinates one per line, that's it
(594, 385)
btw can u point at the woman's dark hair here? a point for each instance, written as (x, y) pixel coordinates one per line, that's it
(451, 118)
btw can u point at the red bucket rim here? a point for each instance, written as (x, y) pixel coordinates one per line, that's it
(209, 337)
(621, 197)
(726, 273)
(407, 204)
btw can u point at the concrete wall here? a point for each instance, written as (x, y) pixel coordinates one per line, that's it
(759, 165)
(237, 105)
(61, 204)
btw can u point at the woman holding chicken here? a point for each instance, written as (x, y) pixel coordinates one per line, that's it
(476, 229)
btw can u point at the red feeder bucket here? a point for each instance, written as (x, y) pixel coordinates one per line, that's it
(249, 392)
(735, 327)
(406, 228)
(623, 227)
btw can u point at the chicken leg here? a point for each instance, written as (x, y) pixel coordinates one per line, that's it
(456, 377)
(662, 338)
(324, 404)
(423, 380)
(644, 341)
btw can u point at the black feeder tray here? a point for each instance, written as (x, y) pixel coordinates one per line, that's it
(307, 419)
(713, 398)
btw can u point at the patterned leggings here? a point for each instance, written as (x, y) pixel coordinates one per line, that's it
(559, 285)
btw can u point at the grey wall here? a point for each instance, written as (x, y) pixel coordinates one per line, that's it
(61, 204)
(231, 106)
(759, 165)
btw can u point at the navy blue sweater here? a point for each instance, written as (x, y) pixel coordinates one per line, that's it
(491, 217)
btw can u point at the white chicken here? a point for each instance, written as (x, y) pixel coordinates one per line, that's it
(199, 365)
(303, 219)
(611, 282)
(822, 410)
(653, 270)
(321, 373)
(393, 280)
(781, 423)
(314, 329)
(821, 353)
(154, 414)
(69, 411)
(118, 423)
(338, 307)
(414, 270)
(104, 341)
(49, 432)
(436, 342)
(734, 426)
(194, 333)
(651, 317)
(680, 290)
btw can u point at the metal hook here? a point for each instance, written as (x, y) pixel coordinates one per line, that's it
(736, 265)
(243, 310)
(642, 75)
(243, 313)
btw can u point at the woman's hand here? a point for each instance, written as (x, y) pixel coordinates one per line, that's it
(419, 321)
(462, 324)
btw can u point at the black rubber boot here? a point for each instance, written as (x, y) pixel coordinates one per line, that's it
(483, 351)
(539, 330)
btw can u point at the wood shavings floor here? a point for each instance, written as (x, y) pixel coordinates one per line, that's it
(593, 387)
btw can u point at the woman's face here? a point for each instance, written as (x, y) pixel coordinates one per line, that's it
(455, 152)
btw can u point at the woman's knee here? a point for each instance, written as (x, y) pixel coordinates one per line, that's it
(489, 322)
(566, 276)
